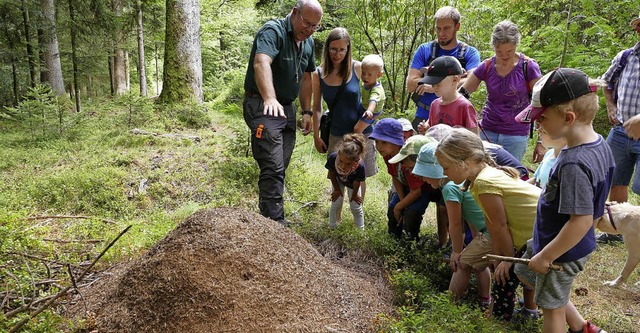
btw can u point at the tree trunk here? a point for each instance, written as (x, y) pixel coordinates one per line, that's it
(52, 65)
(14, 66)
(120, 71)
(33, 76)
(110, 61)
(142, 70)
(182, 77)
(155, 55)
(120, 68)
(74, 59)
(42, 53)
(14, 76)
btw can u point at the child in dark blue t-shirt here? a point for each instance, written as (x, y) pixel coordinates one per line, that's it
(564, 104)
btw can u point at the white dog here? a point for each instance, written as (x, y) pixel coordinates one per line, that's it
(623, 219)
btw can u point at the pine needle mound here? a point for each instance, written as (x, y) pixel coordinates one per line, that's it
(229, 270)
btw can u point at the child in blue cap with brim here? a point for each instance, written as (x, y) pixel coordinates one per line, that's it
(460, 205)
(409, 203)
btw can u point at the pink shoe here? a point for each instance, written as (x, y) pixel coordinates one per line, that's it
(591, 328)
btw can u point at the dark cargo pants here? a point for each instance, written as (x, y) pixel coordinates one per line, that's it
(272, 150)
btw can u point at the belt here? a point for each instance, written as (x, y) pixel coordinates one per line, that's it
(252, 94)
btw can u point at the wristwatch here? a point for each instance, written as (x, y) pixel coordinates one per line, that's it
(308, 113)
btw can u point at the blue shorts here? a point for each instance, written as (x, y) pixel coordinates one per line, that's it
(626, 153)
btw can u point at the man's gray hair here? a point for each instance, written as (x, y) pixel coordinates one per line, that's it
(447, 12)
(505, 32)
(301, 3)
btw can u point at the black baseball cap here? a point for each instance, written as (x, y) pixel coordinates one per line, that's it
(556, 87)
(440, 68)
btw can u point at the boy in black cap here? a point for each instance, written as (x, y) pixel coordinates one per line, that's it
(564, 104)
(450, 108)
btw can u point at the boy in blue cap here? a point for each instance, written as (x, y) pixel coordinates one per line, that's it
(412, 195)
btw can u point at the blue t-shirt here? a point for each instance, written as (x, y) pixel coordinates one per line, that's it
(544, 169)
(579, 184)
(357, 175)
(421, 59)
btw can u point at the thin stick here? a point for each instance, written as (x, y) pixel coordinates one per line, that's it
(30, 218)
(494, 257)
(66, 289)
(65, 241)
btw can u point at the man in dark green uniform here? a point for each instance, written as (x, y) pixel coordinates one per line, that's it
(279, 71)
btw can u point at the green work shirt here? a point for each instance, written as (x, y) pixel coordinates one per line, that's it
(275, 39)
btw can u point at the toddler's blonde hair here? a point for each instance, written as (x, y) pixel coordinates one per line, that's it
(373, 61)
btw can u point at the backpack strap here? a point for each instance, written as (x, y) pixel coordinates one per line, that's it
(615, 78)
(525, 71)
(434, 51)
(487, 64)
(462, 52)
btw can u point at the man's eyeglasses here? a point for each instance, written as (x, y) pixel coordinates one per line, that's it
(337, 51)
(314, 27)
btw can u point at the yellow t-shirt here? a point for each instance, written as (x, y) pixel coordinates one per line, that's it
(520, 201)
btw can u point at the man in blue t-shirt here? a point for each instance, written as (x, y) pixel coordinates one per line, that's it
(447, 25)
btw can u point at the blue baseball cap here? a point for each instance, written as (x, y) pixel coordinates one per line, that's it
(389, 130)
(427, 165)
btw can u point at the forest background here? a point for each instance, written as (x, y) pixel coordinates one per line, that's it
(77, 76)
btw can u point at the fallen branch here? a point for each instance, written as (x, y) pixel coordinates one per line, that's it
(308, 204)
(30, 256)
(494, 257)
(65, 241)
(19, 325)
(138, 131)
(31, 218)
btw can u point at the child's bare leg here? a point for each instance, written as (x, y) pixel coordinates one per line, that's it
(484, 283)
(529, 298)
(574, 319)
(459, 282)
(554, 320)
(443, 225)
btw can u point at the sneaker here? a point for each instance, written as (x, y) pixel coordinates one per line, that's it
(591, 328)
(605, 238)
(523, 314)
